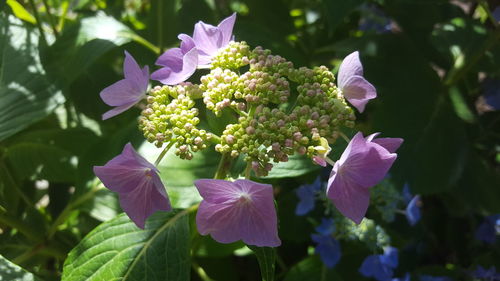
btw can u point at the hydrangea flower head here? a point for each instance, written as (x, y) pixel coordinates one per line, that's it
(127, 92)
(488, 230)
(326, 227)
(363, 164)
(209, 39)
(380, 267)
(434, 278)
(137, 183)
(241, 210)
(307, 195)
(178, 63)
(328, 248)
(354, 86)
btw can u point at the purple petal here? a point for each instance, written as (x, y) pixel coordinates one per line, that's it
(350, 66)
(137, 183)
(358, 92)
(240, 210)
(133, 72)
(147, 198)
(169, 77)
(217, 191)
(120, 93)
(226, 28)
(208, 38)
(365, 163)
(171, 58)
(319, 160)
(117, 110)
(187, 43)
(391, 144)
(349, 198)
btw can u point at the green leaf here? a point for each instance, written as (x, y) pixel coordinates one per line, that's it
(42, 160)
(311, 268)
(25, 94)
(178, 175)
(266, 256)
(20, 12)
(297, 165)
(337, 11)
(118, 250)
(12, 272)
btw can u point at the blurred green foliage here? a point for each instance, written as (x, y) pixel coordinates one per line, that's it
(427, 58)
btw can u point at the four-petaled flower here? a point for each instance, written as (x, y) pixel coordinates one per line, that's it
(307, 195)
(209, 39)
(137, 183)
(178, 63)
(126, 92)
(353, 85)
(363, 164)
(241, 210)
(380, 267)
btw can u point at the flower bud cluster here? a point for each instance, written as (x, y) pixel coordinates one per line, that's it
(368, 232)
(170, 115)
(234, 56)
(263, 60)
(260, 87)
(218, 89)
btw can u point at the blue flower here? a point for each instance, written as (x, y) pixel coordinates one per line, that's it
(413, 211)
(488, 230)
(327, 248)
(380, 267)
(492, 93)
(486, 274)
(326, 227)
(307, 194)
(434, 278)
(374, 19)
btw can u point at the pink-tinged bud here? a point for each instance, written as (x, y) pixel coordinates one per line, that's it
(289, 143)
(283, 98)
(315, 115)
(311, 93)
(227, 79)
(301, 150)
(241, 106)
(272, 87)
(188, 127)
(245, 60)
(297, 136)
(280, 123)
(230, 139)
(276, 146)
(268, 167)
(183, 148)
(251, 86)
(262, 119)
(197, 140)
(310, 123)
(250, 130)
(255, 166)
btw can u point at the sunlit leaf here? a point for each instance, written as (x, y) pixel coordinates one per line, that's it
(11, 271)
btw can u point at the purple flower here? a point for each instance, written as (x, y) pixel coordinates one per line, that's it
(374, 19)
(413, 211)
(380, 267)
(307, 196)
(327, 248)
(486, 274)
(137, 183)
(492, 93)
(488, 230)
(178, 63)
(354, 86)
(126, 92)
(240, 210)
(209, 39)
(363, 164)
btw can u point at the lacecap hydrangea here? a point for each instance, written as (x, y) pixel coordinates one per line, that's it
(276, 109)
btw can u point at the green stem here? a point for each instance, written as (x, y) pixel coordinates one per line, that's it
(69, 208)
(160, 25)
(248, 170)
(62, 19)
(38, 21)
(344, 137)
(22, 227)
(198, 269)
(51, 18)
(241, 113)
(162, 154)
(215, 139)
(224, 165)
(145, 43)
(486, 7)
